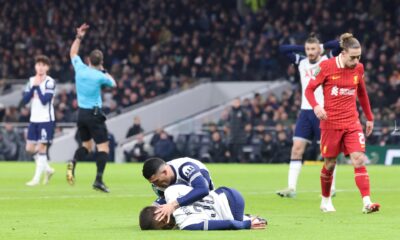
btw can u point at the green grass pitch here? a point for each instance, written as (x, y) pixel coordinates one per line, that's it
(59, 211)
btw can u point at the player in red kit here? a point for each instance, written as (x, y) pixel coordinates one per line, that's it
(342, 80)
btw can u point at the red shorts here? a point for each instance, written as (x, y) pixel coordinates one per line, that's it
(335, 141)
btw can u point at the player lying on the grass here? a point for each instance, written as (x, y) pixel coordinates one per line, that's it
(186, 171)
(40, 89)
(222, 209)
(307, 125)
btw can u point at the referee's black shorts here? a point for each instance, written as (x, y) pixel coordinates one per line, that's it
(91, 124)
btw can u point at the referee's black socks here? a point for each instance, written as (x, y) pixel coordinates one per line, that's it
(101, 160)
(80, 154)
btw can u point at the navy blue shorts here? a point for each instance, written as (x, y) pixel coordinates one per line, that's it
(307, 127)
(42, 132)
(236, 201)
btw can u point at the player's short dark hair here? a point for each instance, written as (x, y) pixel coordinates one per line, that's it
(42, 59)
(347, 40)
(96, 57)
(312, 38)
(151, 166)
(146, 218)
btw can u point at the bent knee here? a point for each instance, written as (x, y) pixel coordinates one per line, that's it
(298, 149)
(358, 159)
(30, 148)
(330, 163)
(103, 147)
(42, 148)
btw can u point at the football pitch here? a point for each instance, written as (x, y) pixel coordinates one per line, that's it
(59, 211)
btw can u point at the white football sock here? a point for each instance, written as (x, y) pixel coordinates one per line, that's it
(45, 162)
(42, 159)
(367, 200)
(47, 166)
(325, 201)
(294, 172)
(38, 170)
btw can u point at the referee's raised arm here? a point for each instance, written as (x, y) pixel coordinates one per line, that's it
(80, 33)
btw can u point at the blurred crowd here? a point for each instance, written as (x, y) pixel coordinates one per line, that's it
(256, 130)
(154, 47)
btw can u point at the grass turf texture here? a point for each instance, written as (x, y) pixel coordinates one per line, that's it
(59, 211)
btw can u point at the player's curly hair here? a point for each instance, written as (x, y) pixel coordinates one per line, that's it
(312, 38)
(347, 40)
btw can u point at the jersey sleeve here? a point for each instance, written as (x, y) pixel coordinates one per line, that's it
(50, 86)
(292, 53)
(77, 63)
(46, 98)
(319, 78)
(28, 92)
(106, 81)
(363, 96)
(190, 172)
(334, 46)
(28, 86)
(220, 225)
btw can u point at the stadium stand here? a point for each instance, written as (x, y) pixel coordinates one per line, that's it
(155, 47)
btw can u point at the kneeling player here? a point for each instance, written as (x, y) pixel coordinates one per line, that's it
(222, 209)
(186, 171)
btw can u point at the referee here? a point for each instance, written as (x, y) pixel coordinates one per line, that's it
(91, 120)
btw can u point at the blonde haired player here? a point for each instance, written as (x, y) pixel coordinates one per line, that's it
(40, 91)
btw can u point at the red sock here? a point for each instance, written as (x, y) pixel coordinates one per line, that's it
(362, 180)
(326, 181)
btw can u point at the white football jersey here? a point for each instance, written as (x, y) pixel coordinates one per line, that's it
(186, 169)
(212, 207)
(307, 71)
(40, 112)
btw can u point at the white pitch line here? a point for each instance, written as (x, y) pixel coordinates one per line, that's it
(104, 195)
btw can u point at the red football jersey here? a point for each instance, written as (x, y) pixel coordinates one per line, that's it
(341, 87)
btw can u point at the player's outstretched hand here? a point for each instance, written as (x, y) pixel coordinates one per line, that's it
(163, 211)
(81, 31)
(320, 112)
(258, 223)
(369, 128)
